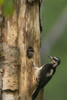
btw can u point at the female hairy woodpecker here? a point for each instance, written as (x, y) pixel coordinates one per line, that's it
(44, 74)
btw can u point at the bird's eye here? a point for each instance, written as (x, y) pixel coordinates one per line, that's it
(56, 60)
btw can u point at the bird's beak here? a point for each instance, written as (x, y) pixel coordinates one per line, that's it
(50, 57)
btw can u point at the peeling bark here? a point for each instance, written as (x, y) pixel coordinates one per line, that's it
(9, 57)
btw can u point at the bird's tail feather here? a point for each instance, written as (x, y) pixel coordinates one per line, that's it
(35, 94)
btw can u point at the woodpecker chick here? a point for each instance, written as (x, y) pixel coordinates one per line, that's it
(44, 74)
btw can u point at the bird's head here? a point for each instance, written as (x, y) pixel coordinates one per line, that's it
(55, 61)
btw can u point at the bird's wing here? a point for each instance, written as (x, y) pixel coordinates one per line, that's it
(42, 79)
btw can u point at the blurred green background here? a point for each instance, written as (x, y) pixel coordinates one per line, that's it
(54, 12)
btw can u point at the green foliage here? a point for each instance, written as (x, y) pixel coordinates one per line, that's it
(2, 2)
(8, 7)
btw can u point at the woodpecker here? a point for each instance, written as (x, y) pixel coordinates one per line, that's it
(44, 74)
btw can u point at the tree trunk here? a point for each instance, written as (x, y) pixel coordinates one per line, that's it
(20, 51)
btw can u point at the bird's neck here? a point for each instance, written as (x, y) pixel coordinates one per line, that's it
(54, 64)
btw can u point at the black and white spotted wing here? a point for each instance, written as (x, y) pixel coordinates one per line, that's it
(43, 79)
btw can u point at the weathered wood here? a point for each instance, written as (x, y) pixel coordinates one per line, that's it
(18, 34)
(9, 54)
(28, 36)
